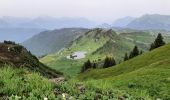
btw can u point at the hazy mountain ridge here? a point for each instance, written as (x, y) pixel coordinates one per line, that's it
(18, 34)
(19, 29)
(154, 21)
(52, 41)
(45, 22)
(122, 22)
(144, 22)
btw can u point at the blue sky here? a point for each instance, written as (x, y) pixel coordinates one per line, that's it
(96, 10)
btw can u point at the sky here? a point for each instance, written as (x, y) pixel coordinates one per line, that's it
(96, 10)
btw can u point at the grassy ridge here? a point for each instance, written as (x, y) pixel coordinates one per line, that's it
(18, 56)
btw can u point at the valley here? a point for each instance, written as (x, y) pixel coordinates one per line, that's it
(84, 50)
(98, 43)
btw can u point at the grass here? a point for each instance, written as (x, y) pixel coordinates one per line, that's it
(19, 83)
(146, 75)
(92, 92)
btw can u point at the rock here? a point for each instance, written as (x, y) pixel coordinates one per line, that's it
(57, 80)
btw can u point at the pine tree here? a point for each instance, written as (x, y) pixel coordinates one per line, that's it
(113, 62)
(152, 47)
(126, 57)
(134, 53)
(106, 62)
(158, 42)
(86, 66)
(109, 62)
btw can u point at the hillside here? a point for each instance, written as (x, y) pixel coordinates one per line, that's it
(18, 57)
(156, 59)
(147, 74)
(52, 41)
(95, 45)
(154, 21)
(144, 37)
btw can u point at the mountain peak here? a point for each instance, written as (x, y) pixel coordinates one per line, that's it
(99, 33)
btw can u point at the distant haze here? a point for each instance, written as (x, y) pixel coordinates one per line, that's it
(95, 10)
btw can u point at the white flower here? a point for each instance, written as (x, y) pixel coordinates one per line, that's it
(64, 96)
(45, 98)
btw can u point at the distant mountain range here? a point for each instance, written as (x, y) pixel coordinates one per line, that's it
(21, 29)
(148, 21)
(145, 22)
(45, 22)
(154, 21)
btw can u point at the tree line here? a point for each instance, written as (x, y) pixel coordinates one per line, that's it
(108, 62)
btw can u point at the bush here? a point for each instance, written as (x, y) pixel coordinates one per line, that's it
(9, 42)
(18, 48)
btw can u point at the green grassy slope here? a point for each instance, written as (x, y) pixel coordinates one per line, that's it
(145, 75)
(158, 57)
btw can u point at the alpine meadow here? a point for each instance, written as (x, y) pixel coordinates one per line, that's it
(84, 50)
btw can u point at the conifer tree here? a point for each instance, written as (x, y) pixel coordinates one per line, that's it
(109, 62)
(126, 57)
(86, 66)
(134, 53)
(158, 42)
